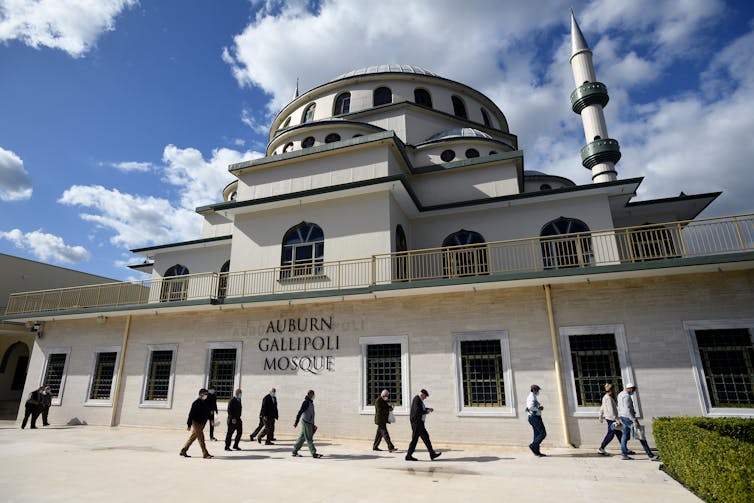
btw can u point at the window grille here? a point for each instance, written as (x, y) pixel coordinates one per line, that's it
(158, 377)
(384, 372)
(222, 372)
(482, 374)
(102, 380)
(728, 361)
(595, 363)
(54, 372)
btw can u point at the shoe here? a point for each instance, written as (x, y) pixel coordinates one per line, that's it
(435, 455)
(533, 450)
(236, 448)
(376, 449)
(268, 443)
(654, 458)
(46, 424)
(208, 456)
(251, 438)
(185, 455)
(274, 439)
(392, 449)
(259, 439)
(295, 454)
(213, 439)
(541, 455)
(411, 458)
(227, 448)
(33, 428)
(626, 458)
(317, 455)
(631, 453)
(602, 452)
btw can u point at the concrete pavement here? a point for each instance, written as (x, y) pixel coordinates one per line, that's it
(96, 464)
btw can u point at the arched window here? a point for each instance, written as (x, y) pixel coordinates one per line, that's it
(401, 254)
(486, 118)
(545, 186)
(382, 96)
(423, 98)
(565, 242)
(307, 142)
(222, 280)
(447, 155)
(303, 251)
(285, 124)
(288, 147)
(309, 113)
(174, 288)
(332, 137)
(471, 153)
(459, 109)
(342, 104)
(466, 254)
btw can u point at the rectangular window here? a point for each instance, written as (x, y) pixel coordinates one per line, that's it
(595, 362)
(223, 369)
(54, 373)
(102, 378)
(158, 383)
(384, 372)
(593, 356)
(384, 365)
(483, 368)
(727, 358)
(482, 374)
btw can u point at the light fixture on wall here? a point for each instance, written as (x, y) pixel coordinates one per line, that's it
(101, 320)
(36, 328)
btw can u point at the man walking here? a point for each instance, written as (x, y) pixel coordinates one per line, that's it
(534, 408)
(417, 416)
(306, 415)
(234, 420)
(269, 413)
(627, 415)
(46, 404)
(211, 404)
(197, 419)
(381, 412)
(32, 408)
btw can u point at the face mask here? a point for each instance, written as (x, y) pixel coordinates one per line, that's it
(212, 391)
(240, 396)
(385, 398)
(273, 394)
(312, 398)
(203, 397)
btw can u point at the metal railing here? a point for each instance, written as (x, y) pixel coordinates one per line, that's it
(584, 250)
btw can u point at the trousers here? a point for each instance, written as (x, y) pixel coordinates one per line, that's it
(197, 433)
(419, 431)
(238, 428)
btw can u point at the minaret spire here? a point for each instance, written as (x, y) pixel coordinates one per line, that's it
(601, 153)
(295, 93)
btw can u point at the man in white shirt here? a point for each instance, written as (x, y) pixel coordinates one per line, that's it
(627, 415)
(534, 408)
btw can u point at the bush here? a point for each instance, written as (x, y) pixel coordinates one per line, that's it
(712, 457)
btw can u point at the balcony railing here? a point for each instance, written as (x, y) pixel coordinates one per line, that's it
(585, 250)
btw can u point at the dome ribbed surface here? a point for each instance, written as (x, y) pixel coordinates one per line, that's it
(459, 132)
(386, 69)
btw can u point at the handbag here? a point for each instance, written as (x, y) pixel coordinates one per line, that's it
(390, 417)
(617, 426)
(639, 433)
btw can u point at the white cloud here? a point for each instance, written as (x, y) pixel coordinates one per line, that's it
(137, 220)
(130, 166)
(15, 183)
(70, 25)
(46, 247)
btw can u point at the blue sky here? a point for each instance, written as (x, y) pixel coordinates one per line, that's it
(119, 117)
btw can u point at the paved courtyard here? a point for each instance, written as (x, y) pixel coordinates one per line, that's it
(99, 464)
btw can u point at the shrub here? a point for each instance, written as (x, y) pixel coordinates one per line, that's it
(712, 457)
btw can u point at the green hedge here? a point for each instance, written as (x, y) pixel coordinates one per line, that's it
(712, 457)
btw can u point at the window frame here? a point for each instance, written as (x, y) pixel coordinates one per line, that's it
(705, 403)
(430, 103)
(58, 400)
(459, 107)
(374, 96)
(238, 346)
(168, 402)
(311, 107)
(345, 107)
(509, 410)
(626, 369)
(404, 408)
(98, 402)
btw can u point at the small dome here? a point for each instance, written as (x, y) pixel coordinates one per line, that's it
(386, 69)
(531, 172)
(459, 132)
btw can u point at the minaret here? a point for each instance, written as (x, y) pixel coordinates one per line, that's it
(601, 153)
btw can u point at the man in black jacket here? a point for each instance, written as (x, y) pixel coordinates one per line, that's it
(197, 419)
(234, 421)
(211, 404)
(46, 404)
(381, 412)
(418, 414)
(269, 414)
(33, 408)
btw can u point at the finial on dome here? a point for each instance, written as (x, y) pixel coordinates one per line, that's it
(578, 44)
(295, 94)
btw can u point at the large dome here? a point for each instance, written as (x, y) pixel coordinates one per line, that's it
(458, 132)
(386, 69)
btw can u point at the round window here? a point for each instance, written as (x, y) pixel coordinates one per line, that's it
(472, 152)
(447, 155)
(545, 186)
(493, 152)
(332, 137)
(308, 142)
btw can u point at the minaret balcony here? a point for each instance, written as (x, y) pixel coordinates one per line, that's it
(599, 151)
(587, 94)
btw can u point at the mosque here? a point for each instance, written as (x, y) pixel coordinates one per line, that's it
(392, 239)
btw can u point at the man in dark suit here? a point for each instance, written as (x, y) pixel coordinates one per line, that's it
(197, 419)
(46, 404)
(33, 408)
(381, 412)
(418, 414)
(269, 414)
(234, 420)
(211, 404)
